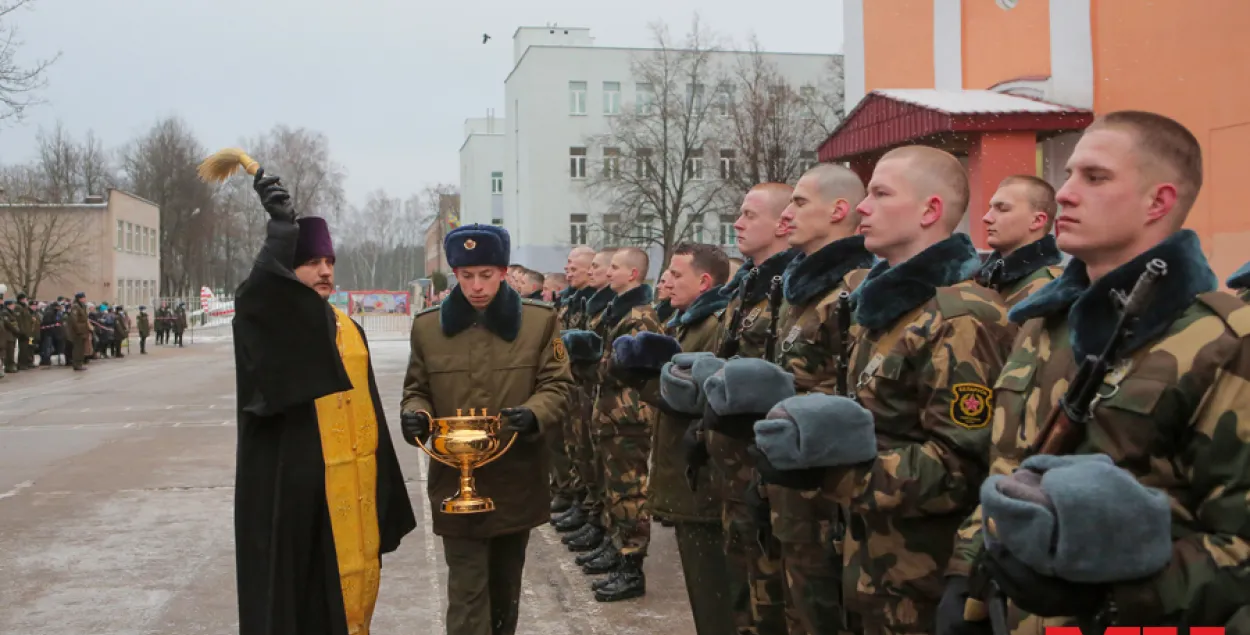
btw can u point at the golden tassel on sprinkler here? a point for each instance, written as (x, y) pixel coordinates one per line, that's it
(223, 163)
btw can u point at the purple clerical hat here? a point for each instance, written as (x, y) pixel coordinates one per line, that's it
(314, 240)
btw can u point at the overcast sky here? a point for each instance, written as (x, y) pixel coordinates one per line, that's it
(390, 82)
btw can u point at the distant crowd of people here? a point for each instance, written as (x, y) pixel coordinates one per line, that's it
(34, 333)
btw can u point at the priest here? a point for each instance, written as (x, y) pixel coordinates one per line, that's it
(318, 491)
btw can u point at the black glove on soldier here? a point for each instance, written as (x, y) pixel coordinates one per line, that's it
(414, 425)
(273, 196)
(519, 420)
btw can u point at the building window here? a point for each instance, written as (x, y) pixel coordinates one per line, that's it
(727, 164)
(130, 237)
(577, 163)
(645, 101)
(807, 95)
(496, 182)
(577, 229)
(807, 161)
(728, 235)
(148, 243)
(644, 229)
(156, 248)
(611, 98)
(121, 235)
(611, 229)
(611, 163)
(577, 98)
(694, 167)
(644, 166)
(720, 103)
(694, 97)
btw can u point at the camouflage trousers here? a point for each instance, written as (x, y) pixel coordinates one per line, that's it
(587, 466)
(562, 476)
(756, 576)
(894, 574)
(811, 554)
(625, 515)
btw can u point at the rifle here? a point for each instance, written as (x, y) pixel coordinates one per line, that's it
(729, 347)
(1065, 428)
(774, 307)
(843, 311)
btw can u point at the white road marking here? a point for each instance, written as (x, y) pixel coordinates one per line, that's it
(16, 488)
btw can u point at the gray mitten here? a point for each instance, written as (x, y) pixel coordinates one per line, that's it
(817, 430)
(1079, 518)
(678, 386)
(747, 385)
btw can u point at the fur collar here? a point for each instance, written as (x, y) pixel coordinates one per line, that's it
(599, 300)
(809, 276)
(622, 304)
(774, 266)
(889, 292)
(1091, 314)
(664, 310)
(999, 272)
(704, 306)
(579, 298)
(1240, 278)
(501, 317)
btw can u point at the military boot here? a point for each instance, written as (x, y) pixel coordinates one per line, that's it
(604, 545)
(564, 515)
(630, 583)
(579, 533)
(588, 541)
(608, 561)
(573, 521)
(605, 581)
(560, 503)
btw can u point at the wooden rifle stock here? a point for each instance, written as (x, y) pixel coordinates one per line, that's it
(774, 307)
(1065, 429)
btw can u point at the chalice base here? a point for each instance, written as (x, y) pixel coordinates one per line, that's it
(467, 505)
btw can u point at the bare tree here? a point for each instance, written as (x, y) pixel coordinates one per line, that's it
(19, 83)
(654, 175)
(302, 158)
(826, 102)
(160, 166)
(40, 242)
(71, 170)
(442, 205)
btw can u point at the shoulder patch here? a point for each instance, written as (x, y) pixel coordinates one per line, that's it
(971, 405)
(557, 345)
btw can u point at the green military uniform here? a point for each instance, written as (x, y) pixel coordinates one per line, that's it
(696, 515)
(622, 429)
(507, 356)
(807, 524)
(563, 485)
(757, 578)
(162, 324)
(79, 328)
(28, 324)
(1175, 415)
(179, 323)
(1239, 282)
(1022, 272)
(928, 343)
(10, 332)
(144, 324)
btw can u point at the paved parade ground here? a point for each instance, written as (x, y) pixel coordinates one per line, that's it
(116, 489)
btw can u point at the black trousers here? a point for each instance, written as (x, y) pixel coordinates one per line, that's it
(484, 583)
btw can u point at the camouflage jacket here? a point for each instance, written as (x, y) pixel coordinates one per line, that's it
(811, 348)
(571, 309)
(669, 495)
(596, 307)
(928, 343)
(619, 410)
(1175, 416)
(1239, 282)
(751, 299)
(1022, 272)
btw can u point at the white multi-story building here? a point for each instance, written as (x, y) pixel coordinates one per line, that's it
(563, 90)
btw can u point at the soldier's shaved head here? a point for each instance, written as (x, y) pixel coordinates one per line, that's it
(777, 195)
(634, 258)
(822, 208)
(834, 181)
(577, 268)
(934, 172)
(761, 231)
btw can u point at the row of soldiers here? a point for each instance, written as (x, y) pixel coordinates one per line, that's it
(76, 330)
(869, 429)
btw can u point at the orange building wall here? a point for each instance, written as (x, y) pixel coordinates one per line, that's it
(1187, 60)
(1002, 45)
(898, 44)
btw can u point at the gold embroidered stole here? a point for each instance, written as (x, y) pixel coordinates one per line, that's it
(349, 443)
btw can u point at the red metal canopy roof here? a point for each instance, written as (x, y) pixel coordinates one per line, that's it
(887, 118)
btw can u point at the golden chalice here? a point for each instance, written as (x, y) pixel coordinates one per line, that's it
(465, 443)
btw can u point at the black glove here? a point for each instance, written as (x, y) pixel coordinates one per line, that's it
(519, 420)
(1042, 595)
(696, 454)
(805, 479)
(635, 378)
(414, 425)
(950, 613)
(737, 426)
(273, 196)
